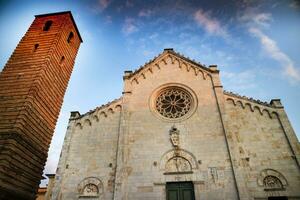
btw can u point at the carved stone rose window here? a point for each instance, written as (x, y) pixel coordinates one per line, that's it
(173, 102)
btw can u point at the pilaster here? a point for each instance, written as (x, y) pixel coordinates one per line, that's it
(287, 130)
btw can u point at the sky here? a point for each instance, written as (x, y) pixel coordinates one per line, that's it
(256, 45)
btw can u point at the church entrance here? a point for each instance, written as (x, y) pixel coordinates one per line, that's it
(277, 198)
(180, 191)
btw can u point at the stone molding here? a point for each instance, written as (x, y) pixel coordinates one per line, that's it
(169, 155)
(159, 61)
(97, 114)
(90, 180)
(249, 99)
(263, 109)
(271, 172)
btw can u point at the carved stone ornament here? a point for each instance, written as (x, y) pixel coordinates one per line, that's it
(174, 137)
(90, 187)
(271, 180)
(173, 102)
(178, 164)
(90, 190)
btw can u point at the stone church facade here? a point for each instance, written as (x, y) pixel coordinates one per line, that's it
(176, 134)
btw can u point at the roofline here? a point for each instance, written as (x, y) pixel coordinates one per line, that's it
(62, 13)
(200, 65)
(50, 175)
(257, 101)
(171, 51)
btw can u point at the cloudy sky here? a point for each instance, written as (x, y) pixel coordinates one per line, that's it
(256, 45)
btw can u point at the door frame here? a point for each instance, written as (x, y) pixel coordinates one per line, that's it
(178, 183)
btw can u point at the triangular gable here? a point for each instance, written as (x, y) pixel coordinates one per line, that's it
(174, 56)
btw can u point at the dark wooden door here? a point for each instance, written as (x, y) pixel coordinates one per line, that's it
(180, 191)
(277, 198)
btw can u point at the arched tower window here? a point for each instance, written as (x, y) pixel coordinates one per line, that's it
(70, 37)
(47, 25)
(36, 46)
(62, 60)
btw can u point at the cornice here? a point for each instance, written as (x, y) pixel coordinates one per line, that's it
(257, 101)
(170, 52)
(101, 108)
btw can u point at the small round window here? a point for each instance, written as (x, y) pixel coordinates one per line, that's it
(173, 102)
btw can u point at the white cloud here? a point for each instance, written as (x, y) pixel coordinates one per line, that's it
(255, 22)
(104, 4)
(129, 26)
(99, 6)
(210, 24)
(145, 13)
(251, 17)
(274, 52)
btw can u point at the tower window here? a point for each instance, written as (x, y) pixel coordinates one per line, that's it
(62, 60)
(47, 25)
(36, 46)
(70, 37)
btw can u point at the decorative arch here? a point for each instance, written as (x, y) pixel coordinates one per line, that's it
(266, 112)
(90, 187)
(240, 103)
(88, 122)
(274, 114)
(248, 106)
(118, 107)
(178, 161)
(231, 101)
(103, 114)
(256, 108)
(78, 125)
(96, 118)
(110, 111)
(271, 179)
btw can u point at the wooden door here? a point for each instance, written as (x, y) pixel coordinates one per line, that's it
(180, 191)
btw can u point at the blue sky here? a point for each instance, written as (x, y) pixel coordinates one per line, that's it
(256, 45)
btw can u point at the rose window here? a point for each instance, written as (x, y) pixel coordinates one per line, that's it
(173, 102)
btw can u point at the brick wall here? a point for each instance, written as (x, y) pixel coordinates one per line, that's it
(32, 87)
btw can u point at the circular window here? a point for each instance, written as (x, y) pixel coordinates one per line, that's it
(173, 102)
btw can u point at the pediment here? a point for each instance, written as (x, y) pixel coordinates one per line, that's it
(168, 55)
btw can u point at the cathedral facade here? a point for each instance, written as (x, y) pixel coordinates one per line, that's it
(176, 134)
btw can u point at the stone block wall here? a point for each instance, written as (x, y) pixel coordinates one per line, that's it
(89, 155)
(229, 147)
(260, 148)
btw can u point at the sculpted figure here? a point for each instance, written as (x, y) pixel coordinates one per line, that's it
(178, 164)
(174, 137)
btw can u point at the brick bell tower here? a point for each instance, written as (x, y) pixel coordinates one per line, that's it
(32, 86)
